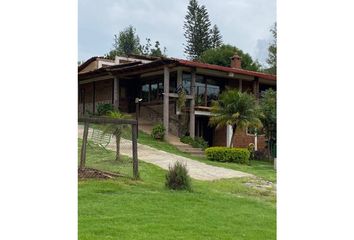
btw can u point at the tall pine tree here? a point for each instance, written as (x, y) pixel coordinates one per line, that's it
(216, 39)
(197, 30)
(272, 51)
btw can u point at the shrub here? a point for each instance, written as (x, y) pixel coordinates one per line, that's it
(186, 139)
(177, 177)
(226, 154)
(198, 142)
(158, 131)
(104, 108)
(260, 155)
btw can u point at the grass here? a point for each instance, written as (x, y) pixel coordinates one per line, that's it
(259, 168)
(126, 209)
(262, 169)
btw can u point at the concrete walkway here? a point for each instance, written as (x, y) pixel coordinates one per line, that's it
(196, 169)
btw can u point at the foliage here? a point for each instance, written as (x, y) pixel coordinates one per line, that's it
(235, 108)
(186, 139)
(225, 154)
(177, 177)
(268, 115)
(197, 142)
(116, 129)
(181, 101)
(197, 30)
(154, 52)
(272, 51)
(158, 131)
(260, 155)
(221, 56)
(251, 149)
(104, 108)
(216, 38)
(125, 43)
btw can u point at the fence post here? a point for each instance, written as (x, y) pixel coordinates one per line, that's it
(83, 147)
(135, 151)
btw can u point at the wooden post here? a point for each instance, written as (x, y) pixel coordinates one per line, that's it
(135, 151)
(83, 147)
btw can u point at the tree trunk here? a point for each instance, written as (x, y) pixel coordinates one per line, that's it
(234, 127)
(117, 147)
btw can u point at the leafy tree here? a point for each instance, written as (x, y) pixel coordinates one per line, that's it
(116, 129)
(268, 115)
(155, 52)
(127, 42)
(235, 108)
(216, 39)
(197, 30)
(272, 52)
(221, 56)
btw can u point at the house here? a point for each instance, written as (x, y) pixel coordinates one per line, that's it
(156, 81)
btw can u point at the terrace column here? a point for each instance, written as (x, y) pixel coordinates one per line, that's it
(240, 85)
(179, 83)
(116, 93)
(166, 87)
(192, 111)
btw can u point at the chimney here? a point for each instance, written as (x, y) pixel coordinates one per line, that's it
(235, 61)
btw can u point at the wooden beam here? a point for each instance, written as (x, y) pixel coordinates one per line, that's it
(83, 147)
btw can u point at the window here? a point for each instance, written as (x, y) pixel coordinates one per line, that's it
(173, 82)
(186, 82)
(213, 91)
(200, 91)
(145, 92)
(153, 91)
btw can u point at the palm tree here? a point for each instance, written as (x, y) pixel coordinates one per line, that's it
(237, 109)
(116, 129)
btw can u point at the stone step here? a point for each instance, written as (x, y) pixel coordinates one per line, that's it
(198, 155)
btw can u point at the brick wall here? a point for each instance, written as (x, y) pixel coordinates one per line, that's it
(241, 138)
(103, 92)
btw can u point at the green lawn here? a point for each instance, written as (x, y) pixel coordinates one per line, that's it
(126, 209)
(259, 168)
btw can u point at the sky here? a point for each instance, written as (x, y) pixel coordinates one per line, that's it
(242, 23)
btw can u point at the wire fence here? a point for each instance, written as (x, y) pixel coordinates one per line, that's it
(108, 148)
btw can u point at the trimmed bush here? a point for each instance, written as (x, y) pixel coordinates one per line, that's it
(177, 177)
(226, 154)
(158, 131)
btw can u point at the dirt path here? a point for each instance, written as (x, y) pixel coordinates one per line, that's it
(196, 169)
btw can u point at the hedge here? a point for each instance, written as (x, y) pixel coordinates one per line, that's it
(226, 154)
